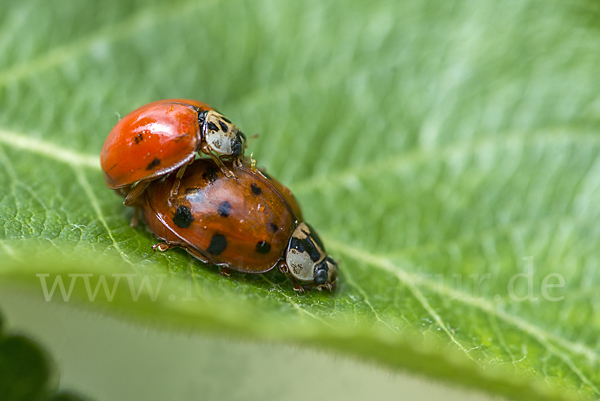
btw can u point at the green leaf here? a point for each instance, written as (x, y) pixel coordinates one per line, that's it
(444, 150)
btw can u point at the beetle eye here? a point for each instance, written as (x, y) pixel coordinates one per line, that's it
(202, 117)
(321, 277)
(322, 273)
(236, 147)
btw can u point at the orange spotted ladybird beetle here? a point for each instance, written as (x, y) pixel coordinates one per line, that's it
(163, 136)
(249, 224)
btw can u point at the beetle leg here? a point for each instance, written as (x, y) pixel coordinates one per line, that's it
(329, 286)
(260, 173)
(283, 267)
(135, 192)
(226, 271)
(255, 170)
(177, 182)
(196, 253)
(298, 287)
(164, 246)
(228, 173)
(239, 162)
(134, 219)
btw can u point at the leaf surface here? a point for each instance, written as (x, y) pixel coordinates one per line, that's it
(446, 151)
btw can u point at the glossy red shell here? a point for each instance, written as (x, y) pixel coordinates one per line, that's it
(151, 141)
(244, 223)
(287, 195)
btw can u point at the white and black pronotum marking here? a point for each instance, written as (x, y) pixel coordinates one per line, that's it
(307, 259)
(221, 135)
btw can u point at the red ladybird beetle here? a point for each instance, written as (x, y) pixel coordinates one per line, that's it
(163, 136)
(250, 224)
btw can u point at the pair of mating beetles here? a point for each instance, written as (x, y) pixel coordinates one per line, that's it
(222, 210)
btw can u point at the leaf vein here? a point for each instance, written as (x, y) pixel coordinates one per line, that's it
(294, 304)
(362, 292)
(95, 205)
(534, 331)
(411, 158)
(49, 150)
(108, 34)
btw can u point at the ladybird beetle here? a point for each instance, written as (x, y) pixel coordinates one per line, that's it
(250, 224)
(163, 136)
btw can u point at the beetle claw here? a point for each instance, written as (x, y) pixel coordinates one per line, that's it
(163, 246)
(298, 287)
(228, 173)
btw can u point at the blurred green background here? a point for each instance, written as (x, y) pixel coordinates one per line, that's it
(431, 143)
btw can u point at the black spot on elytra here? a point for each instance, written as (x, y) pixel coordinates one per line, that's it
(138, 138)
(256, 189)
(210, 174)
(153, 164)
(183, 217)
(224, 209)
(223, 126)
(273, 227)
(263, 247)
(218, 243)
(212, 126)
